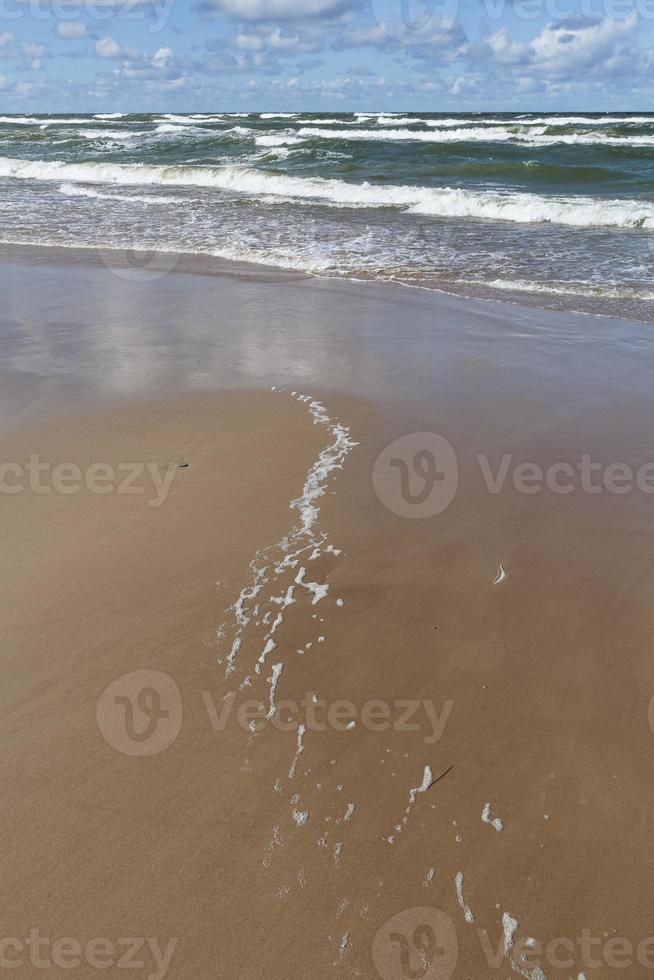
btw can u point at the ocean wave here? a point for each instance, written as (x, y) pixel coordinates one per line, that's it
(43, 123)
(541, 121)
(276, 140)
(591, 139)
(405, 135)
(196, 119)
(74, 190)
(399, 120)
(492, 134)
(429, 201)
(563, 289)
(274, 153)
(109, 115)
(238, 131)
(170, 117)
(319, 121)
(196, 131)
(107, 134)
(585, 120)
(319, 261)
(177, 128)
(214, 116)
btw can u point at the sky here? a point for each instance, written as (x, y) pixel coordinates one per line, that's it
(325, 55)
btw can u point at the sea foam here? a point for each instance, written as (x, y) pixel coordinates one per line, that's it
(518, 207)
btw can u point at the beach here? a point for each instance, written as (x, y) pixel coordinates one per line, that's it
(385, 732)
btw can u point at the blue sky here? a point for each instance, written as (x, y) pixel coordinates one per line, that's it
(329, 55)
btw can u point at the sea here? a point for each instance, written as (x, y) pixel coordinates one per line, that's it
(548, 209)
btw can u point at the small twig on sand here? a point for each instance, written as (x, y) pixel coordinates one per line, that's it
(438, 778)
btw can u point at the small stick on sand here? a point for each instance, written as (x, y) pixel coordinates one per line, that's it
(438, 778)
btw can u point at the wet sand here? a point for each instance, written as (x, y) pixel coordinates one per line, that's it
(515, 626)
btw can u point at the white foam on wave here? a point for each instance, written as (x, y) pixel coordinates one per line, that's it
(487, 817)
(585, 120)
(109, 115)
(193, 129)
(468, 914)
(272, 563)
(398, 120)
(43, 123)
(328, 122)
(510, 927)
(408, 135)
(280, 140)
(510, 206)
(177, 128)
(268, 649)
(488, 134)
(74, 190)
(170, 117)
(192, 117)
(317, 589)
(526, 208)
(603, 291)
(537, 121)
(107, 134)
(273, 680)
(589, 139)
(427, 780)
(275, 153)
(299, 749)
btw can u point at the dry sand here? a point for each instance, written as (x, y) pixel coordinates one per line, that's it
(532, 687)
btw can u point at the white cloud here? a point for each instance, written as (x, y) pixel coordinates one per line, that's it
(106, 47)
(161, 58)
(71, 29)
(566, 49)
(281, 9)
(504, 51)
(439, 33)
(30, 88)
(274, 40)
(31, 50)
(160, 67)
(375, 36)
(168, 84)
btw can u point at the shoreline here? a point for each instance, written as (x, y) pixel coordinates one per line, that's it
(204, 320)
(204, 263)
